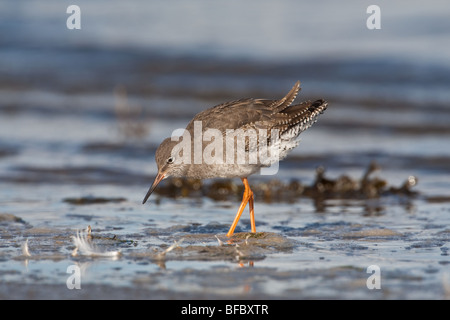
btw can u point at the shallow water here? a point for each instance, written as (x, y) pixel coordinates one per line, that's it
(81, 115)
(302, 253)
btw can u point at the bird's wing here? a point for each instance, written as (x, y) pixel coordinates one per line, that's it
(261, 114)
(286, 101)
(234, 114)
(300, 116)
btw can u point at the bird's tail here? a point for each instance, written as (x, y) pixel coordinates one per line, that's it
(303, 115)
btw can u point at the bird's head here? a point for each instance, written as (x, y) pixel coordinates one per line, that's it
(168, 166)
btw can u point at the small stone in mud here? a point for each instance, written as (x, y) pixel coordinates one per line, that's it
(92, 200)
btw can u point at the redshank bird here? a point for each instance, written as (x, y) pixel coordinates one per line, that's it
(274, 124)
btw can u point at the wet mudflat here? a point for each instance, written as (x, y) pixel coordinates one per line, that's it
(360, 210)
(178, 249)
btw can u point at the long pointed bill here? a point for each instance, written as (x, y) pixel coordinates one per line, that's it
(158, 179)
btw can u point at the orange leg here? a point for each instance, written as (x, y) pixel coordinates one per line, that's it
(246, 198)
(252, 212)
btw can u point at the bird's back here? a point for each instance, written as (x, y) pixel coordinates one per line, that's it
(275, 125)
(234, 114)
(289, 120)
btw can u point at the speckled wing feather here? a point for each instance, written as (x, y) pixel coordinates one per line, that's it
(285, 102)
(262, 114)
(300, 117)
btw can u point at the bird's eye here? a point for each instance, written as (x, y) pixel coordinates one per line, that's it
(170, 160)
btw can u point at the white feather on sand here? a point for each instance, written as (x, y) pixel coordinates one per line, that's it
(84, 246)
(25, 250)
(162, 255)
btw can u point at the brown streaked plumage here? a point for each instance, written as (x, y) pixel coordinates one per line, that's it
(282, 121)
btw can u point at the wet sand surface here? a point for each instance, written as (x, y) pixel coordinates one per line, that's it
(306, 247)
(368, 186)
